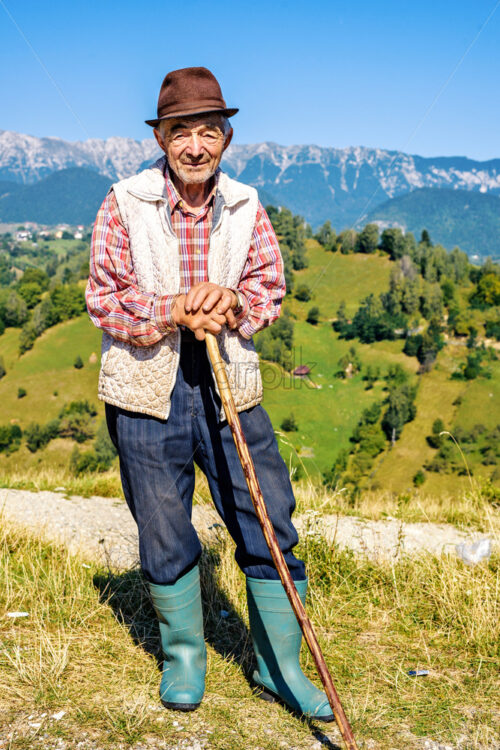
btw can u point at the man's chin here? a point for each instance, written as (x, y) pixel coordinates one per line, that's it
(195, 176)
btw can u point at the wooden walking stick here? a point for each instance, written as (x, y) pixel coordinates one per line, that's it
(233, 419)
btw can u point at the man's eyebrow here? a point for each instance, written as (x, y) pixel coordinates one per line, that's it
(179, 126)
(186, 125)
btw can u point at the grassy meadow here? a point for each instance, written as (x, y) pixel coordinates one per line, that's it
(89, 647)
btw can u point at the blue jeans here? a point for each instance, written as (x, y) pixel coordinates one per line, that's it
(157, 460)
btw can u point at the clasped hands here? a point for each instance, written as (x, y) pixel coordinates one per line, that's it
(206, 307)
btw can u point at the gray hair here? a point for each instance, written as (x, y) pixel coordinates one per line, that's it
(221, 119)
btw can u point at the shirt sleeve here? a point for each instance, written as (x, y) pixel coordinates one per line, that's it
(114, 301)
(262, 283)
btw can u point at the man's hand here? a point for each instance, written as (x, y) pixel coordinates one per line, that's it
(199, 321)
(208, 297)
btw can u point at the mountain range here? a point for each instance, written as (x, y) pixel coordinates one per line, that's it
(347, 186)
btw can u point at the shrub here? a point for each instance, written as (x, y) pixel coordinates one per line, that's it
(303, 293)
(419, 478)
(36, 436)
(77, 407)
(3, 371)
(78, 426)
(413, 345)
(10, 437)
(82, 463)
(289, 424)
(21, 392)
(99, 459)
(313, 316)
(78, 363)
(76, 420)
(27, 338)
(436, 440)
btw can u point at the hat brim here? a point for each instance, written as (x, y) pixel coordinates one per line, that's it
(227, 112)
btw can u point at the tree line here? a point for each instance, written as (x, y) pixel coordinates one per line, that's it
(276, 342)
(76, 420)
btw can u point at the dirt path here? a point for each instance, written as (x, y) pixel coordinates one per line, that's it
(103, 529)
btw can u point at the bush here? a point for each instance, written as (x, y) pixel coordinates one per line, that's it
(77, 407)
(78, 363)
(413, 345)
(289, 424)
(3, 371)
(313, 316)
(99, 459)
(21, 392)
(10, 438)
(82, 463)
(303, 293)
(36, 436)
(79, 427)
(76, 421)
(436, 440)
(419, 478)
(27, 338)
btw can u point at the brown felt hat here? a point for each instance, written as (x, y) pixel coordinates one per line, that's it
(190, 91)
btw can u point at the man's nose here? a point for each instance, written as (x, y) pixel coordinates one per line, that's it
(195, 146)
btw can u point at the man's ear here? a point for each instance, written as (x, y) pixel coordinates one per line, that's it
(159, 139)
(229, 138)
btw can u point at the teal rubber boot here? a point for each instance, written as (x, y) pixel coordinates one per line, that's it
(178, 607)
(276, 638)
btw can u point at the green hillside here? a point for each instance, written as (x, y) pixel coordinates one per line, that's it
(48, 375)
(446, 214)
(324, 408)
(327, 408)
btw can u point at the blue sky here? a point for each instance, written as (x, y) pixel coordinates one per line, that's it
(330, 73)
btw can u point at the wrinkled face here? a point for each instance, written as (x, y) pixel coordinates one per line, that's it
(194, 146)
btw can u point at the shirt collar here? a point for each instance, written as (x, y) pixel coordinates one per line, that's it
(175, 200)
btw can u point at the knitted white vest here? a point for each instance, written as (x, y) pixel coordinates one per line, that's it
(141, 378)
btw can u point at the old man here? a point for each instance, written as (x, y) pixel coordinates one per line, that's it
(177, 250)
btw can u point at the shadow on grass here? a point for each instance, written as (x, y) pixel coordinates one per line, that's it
(128, 595)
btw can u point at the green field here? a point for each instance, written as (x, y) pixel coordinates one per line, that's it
(326, 408)
(333, 277)
(47, 374)
(48, 367)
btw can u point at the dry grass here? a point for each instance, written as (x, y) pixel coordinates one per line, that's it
(89, 647)
(46, 477)
(474, 508)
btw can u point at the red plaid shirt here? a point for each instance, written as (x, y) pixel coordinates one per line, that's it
(117, 305)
